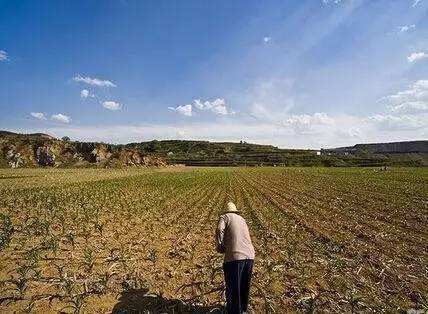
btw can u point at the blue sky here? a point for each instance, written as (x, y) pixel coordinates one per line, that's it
(308, 74)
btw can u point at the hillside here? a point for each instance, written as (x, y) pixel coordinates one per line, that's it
(408, 147)
(31, 150)
(204, 153)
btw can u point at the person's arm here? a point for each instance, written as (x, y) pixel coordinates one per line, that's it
(219, 235)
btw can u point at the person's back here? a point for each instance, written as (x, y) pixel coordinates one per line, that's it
(236, 240)
(233, 239)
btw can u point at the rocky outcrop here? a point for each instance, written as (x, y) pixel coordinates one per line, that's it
(14, 159)
(41, 150)
(44, 156)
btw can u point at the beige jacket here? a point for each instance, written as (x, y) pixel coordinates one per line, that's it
(233, 238)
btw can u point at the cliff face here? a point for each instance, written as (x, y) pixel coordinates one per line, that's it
(35, 150)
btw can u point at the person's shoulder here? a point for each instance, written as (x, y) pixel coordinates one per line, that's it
(233, 216)
(224, 217)
(230, 216)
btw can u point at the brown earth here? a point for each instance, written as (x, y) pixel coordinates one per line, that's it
(326, 239)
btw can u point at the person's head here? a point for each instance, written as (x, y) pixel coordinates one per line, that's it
(231, 208)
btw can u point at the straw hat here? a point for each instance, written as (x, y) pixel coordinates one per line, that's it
(231, 208)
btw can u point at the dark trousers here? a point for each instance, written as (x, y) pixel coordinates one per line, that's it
(237, 275)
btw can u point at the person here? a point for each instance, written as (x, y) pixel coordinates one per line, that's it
(234, 241)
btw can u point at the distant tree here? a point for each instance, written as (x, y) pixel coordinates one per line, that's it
(153, 146)
(65, 138)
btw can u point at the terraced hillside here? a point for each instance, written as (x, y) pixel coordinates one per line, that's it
(204, 153)
(326, 239)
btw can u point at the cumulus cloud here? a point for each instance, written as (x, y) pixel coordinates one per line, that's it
(84, 93)
(38, 115)
(416, 56)
(185, 110)
(93, 81)
(406, 28)
(410, 107)
(217, 106)
(3, 55)
(403, 122)
(59, 117)
(112, 105)
(414, 99)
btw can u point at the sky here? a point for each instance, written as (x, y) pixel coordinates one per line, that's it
(294, 74)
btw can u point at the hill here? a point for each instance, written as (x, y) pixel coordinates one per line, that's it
(38, 149)
(29, 150)
(408, 147)
(204, 153)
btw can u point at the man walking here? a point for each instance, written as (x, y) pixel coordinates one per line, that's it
(233, 240)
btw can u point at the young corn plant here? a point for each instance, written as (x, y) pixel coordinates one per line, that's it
(21, 281)
(89, 259)
(52, 244)
(75, 300)
(152, 256)
(6, 230)
(71, 238)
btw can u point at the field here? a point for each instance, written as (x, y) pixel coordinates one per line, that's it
(102, 240)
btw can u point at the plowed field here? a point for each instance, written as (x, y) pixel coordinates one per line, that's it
(326, 239)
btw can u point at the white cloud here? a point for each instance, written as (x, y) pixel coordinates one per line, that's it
(350, 133)
(406, 28)
(346, 130)
(267, 39)
(38, 115)
(308, 124)
(404, 122)
(415, 3)
(112, 105)
(332, 1)
(217, 106)
(84, 93)
(412, 100)
(3, 56)
(416, 56)
(410, 107)
(59, 117)
(407, 109)
(185, 110)
(93, 81)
